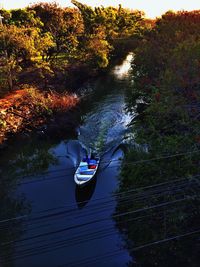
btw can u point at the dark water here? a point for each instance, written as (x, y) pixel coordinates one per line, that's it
(45, 219)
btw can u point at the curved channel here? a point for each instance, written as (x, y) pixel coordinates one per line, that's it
(53, 222)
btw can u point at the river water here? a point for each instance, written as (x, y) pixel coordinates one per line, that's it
(45, 219)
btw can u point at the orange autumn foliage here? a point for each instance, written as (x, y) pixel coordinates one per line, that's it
(25, 110)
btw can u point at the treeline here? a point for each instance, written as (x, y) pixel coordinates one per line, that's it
(165, 95)
(49, 38)
(163, 169)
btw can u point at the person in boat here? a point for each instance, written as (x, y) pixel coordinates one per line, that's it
(91, 161)
(92, 156)
(86, 159)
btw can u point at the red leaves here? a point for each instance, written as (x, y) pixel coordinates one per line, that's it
(27, 109)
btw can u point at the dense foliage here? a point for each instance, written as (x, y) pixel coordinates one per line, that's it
(50, 39)
(46, 46)
(164, 98)
(166, 79)
(164, 102)
(28, 109)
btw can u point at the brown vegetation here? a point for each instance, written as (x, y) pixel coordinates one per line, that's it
(47, 46)
(27, 109)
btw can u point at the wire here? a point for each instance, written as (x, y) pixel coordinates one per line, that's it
(79, 239)
(99, 220)
(93, 260)
(101, 236)
(168, 202)
(97, 234)
(116, 160)
(84, 231)
(102, 198)
(99, 199)
(100, 258)
(126, 199)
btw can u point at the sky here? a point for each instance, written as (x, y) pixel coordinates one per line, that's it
(152, 8)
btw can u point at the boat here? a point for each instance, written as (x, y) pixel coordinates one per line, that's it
(86, 171)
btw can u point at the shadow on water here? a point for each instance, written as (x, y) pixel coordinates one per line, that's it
(84, 194)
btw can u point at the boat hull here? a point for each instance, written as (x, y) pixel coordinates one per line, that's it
(84, 179)
(81, 183)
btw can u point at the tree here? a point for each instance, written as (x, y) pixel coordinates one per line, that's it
(64, 24)
(164, 102)
(18, 46)
(98, 48)
(101, 27)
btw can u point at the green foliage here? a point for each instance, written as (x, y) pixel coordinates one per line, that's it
(164, 102)
(25, 18)
(17, 48)
(64, 25)
(98, 48)
(166, 78)
(101, 27)
(46, 34)
(45, 72)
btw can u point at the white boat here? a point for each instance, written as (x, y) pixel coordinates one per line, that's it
(86, 171)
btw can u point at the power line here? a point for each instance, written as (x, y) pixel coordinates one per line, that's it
(82, 238)
(162, 203)
(100, 236)
(102, 208)
(182, 193)
(103, 198)
(97, 234)
(100, 220)
(93, 260)
(119, 160)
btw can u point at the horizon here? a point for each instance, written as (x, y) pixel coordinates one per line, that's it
(151, 8)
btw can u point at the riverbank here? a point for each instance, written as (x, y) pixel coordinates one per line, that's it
(162, 173)
(39, 175)
(27, 110)
(46, 107)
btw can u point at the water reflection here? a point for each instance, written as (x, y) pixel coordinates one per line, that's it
(122, 71)
(26, 159)
(10, 229)
(107, 121)
(84, 194)
(103, 128)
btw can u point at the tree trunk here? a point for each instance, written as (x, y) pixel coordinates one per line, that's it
(10, 80)
(9, 72)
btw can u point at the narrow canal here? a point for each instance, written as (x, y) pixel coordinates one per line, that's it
(45, 219)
